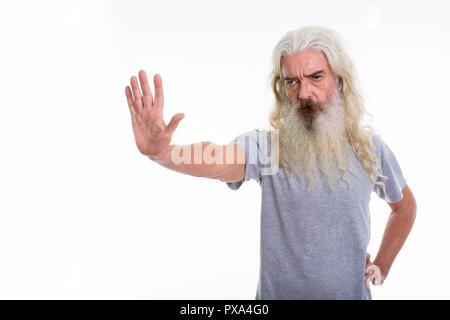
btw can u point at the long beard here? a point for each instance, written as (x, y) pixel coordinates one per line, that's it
(309, 142)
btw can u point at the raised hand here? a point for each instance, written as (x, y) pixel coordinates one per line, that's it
(151, 133)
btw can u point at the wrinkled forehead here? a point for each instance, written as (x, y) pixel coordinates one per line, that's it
(303, 63)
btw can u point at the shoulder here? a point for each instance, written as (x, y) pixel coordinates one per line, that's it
(376, 141)
(379, 146)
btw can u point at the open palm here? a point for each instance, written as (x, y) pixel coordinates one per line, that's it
(151, 133)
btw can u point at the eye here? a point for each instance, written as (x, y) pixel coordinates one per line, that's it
(317, 78)
(290, 83)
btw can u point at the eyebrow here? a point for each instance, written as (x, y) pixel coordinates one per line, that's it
(315, 73)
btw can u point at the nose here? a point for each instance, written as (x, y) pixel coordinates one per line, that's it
(305, 90)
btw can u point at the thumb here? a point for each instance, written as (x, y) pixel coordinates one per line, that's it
(368, 263)
(173, 124)
(367, 258)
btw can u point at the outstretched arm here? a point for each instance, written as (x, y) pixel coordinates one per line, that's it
(153, 136)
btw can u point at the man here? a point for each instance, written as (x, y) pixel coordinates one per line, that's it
(315, 224)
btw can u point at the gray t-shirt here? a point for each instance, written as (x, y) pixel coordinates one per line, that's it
(313, 246)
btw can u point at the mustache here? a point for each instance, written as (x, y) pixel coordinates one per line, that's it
(308, 106)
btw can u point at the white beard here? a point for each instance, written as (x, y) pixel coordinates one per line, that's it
(317, 146)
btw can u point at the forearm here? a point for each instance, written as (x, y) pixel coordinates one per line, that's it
(203, 159)
(397, 230)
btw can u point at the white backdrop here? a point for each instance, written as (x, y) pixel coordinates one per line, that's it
(84, 215)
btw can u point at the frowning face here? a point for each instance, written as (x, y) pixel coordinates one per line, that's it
(308, 81)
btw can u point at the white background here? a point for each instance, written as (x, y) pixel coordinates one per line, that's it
(84, 215)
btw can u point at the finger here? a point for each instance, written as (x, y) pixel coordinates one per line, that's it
(377, 276)
(376, 279)
(368, 267)
(369, 270)
(173, 124)
(136, 93)
(368, 281)
(159, 93)
(367, 258)
(373, 274)
(369, 275)
(130, 101)
(147, 96)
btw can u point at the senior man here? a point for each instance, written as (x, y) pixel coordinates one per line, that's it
(317, 169)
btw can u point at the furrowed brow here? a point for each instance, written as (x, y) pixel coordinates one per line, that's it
(315, 73)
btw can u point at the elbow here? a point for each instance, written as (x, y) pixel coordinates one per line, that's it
(414, 210)
(407, 206)
(410, 211)
(412, 207)
(231, 173)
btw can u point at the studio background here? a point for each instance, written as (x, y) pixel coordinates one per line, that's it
(83, 215)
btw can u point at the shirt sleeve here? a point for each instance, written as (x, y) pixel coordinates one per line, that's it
(388, 166)
(254, 143)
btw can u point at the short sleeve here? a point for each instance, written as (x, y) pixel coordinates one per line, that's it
(388, 166)
(255, 143)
